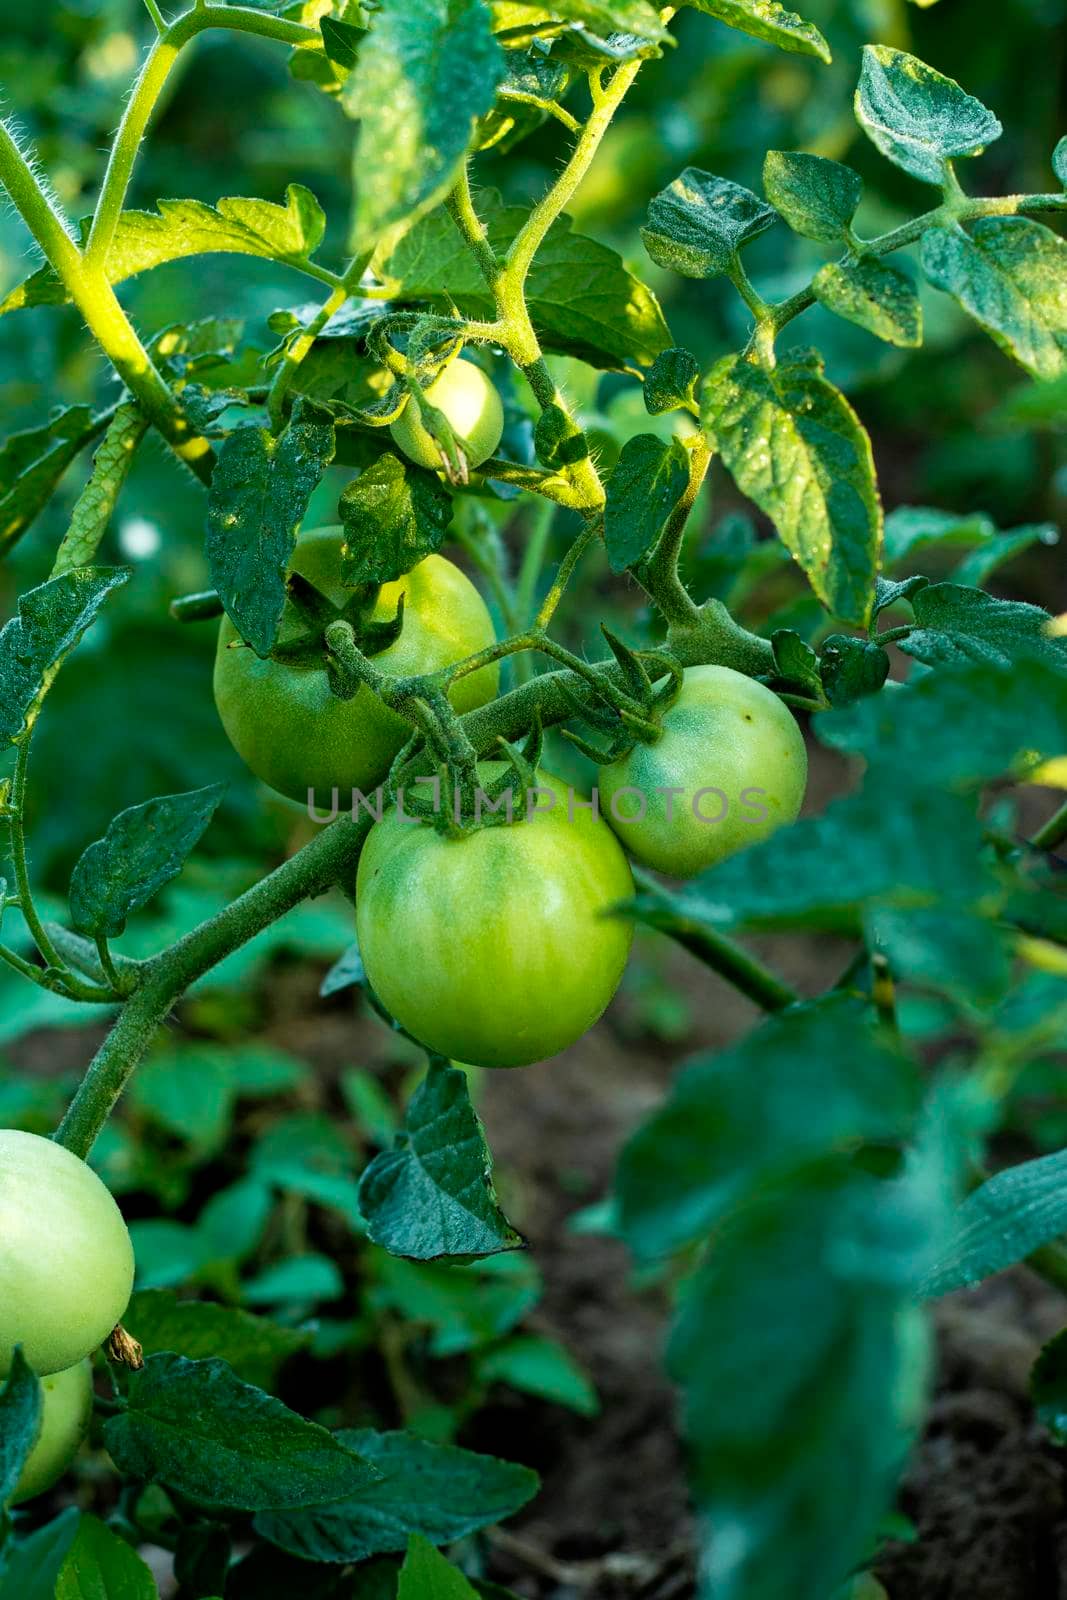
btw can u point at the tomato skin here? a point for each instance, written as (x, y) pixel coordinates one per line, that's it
(293, 733)
(67, 1407)
(723, 731)
(491, 948)
(66, 1261)
(473, 407)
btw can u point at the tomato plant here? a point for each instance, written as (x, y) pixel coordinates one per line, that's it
(498, 947)
(434, 446)
(281, 714)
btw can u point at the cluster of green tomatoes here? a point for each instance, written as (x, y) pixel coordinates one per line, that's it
(66, 1272)
(497, 946)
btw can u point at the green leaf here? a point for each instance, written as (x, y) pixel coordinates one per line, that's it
(539, 1366)
(916, 117)
(671, 381)
(795, 661)
(957, 624)
(300, 1280)
(467, 1307)
(608, 17)
(955, 951)
(144, 848)
(101, 1566)
(32, 463)
(1002, 717)
(432, 1196)
(977, 568)
(96, 503)
(393, 516)
(196, 1428)
(1059, 161)
(821, 872)
(646, 484)
(31, 1566)
(181, 228)
(259, 492)
(33, 645)
(234, 1220)
(1034, 405)
(817, 197)
(795, 446)
(439, 1491)
(1010, 274)
(806, 1083)
(910, 530)
(698, 223)
(874, 296)
(341, 41)
(852, 668)
(842, 1385)
(998, 1225)
(426, 1575)
(190, 1092)
(254, 1347)
(1048, 1387)
(769, 21)
(428, 70)
(21, 1417)
(581, 298)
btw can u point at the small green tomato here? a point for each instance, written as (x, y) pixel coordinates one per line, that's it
(496, 948)
(66, 1409)
(287, 725)
(728, 769)
(66, 1261)
(464, 394)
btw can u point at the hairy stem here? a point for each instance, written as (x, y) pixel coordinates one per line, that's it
(147, 90)
(164, 978)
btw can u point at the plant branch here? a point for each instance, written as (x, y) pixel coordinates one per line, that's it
(461, 208)
(731, 961)
(658, 576)
(300, 347)
(147, 90)
(1054, 831)
(163, 979)
(531, 235)
(956, 210)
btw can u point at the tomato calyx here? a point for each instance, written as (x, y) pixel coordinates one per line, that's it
(630, 713)
(318, 613)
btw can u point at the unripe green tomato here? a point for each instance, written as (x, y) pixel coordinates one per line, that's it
(294, 733)
(735, 757)
(66, 1261)
(493, 948)
(474, 411)
(66, 1410)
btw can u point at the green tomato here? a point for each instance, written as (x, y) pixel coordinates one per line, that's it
(294, 733)
(66, 1261)
(494, 948)
(66, 1409)
(733, 756)
(473, 407)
